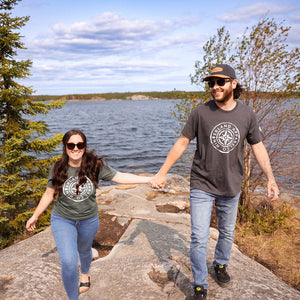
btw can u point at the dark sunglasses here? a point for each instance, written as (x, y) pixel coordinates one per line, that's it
(71, 146)
(220, 82)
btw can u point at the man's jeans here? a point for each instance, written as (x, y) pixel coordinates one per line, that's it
(73, 237)
(201, 209)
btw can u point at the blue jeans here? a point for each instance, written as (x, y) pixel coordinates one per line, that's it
(201, 209)
(73, 238)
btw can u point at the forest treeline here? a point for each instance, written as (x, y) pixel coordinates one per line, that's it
(117, 96)
(128, 95)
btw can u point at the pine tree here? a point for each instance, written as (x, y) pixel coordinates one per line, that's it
(24, 150)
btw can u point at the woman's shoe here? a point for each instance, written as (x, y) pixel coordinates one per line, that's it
(84, 286)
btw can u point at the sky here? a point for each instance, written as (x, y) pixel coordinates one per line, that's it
(97, 46)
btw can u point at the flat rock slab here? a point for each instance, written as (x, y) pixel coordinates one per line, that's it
(31, 269)
(151, 261)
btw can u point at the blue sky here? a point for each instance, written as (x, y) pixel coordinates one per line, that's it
(96, 46)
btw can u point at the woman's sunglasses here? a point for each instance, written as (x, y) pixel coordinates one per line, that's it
(71, 146)
(220, 82)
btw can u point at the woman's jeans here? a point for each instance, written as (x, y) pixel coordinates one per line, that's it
(201, 209)
(73, 238)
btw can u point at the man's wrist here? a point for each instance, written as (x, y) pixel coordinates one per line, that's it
(162, 174)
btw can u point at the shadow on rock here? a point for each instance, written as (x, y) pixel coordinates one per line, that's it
(170, 247)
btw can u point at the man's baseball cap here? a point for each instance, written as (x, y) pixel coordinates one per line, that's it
(222, 71)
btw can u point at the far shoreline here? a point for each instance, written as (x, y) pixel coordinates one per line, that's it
(135, 96)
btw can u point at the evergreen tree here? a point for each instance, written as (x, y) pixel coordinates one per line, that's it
(24, 151)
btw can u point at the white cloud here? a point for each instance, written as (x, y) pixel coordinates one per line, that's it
(109, 34)
(256, 10)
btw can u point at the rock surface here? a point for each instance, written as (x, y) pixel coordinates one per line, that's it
(150, 261)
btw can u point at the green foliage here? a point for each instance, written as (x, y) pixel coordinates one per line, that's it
(175, 94)
(269, 73)
(13, 230)
(115, 96)
(8, 4)
(25, 152)
(217, 50)
(266, 218)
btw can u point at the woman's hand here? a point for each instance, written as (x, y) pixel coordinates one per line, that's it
(44, 203)
(30, 225)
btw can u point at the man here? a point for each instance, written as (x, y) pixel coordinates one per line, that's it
(220, 125)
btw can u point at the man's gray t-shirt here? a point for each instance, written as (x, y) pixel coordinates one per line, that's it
(82, 206)
(218, 163)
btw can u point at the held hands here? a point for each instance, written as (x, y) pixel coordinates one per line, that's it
(158, 181)
(273, 190)
(30, 225)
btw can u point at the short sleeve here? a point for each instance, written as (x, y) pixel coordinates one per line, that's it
(255, 134)
(49, 183)
(107, 173)
(191, 127)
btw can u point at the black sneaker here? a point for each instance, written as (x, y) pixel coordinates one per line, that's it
(199, 292)
(222, 275)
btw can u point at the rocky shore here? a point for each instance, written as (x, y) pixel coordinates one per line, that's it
(150, 260)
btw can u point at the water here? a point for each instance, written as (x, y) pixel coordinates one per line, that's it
(135, 136)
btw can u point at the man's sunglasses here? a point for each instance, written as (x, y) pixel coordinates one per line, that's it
(71, 146)
(220, 82)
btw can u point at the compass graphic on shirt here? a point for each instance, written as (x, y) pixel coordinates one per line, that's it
(69, 189)
(225, 137)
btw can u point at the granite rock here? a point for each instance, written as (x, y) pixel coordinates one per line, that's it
(150, 261)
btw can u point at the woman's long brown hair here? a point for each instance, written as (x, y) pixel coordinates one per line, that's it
(90, 165)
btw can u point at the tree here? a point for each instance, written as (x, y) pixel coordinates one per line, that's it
(22, 174)
(269, 74)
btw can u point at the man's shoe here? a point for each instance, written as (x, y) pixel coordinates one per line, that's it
(222, 275)
(199, 292)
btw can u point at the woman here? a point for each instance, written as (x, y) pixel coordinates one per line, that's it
(74, 220)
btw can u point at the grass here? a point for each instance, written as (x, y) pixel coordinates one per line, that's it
(271, 236)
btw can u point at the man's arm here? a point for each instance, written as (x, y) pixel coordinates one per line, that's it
(159, 180)
(263, 160)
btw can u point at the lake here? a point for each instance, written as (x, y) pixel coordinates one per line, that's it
(135, 136)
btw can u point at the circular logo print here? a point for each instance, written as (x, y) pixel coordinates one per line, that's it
(69, 189)
(224, 137)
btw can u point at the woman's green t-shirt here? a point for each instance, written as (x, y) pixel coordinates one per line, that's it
(82, 206)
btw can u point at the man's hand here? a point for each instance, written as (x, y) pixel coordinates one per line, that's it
(158, 181)
(272, 190)
(263, 160)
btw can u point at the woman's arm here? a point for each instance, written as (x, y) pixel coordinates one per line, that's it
(45, 201)
(130, 178)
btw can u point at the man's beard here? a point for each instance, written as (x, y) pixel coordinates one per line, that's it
(227, 95)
